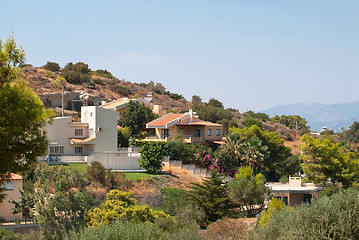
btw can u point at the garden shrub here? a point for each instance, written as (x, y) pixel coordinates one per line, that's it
(7, 234)
(99, 175)
(125, 230)
(226, 229)
(152, 156)
(120, 230)
(121, 206)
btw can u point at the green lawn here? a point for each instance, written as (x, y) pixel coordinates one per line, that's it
(81, 167)
(134, 176)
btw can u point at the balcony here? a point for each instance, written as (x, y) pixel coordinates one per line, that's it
(191, 139)
(156, 139)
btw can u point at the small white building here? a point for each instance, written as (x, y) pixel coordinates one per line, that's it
(294, 192)
(97, 132)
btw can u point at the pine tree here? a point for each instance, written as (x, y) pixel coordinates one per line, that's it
(211, 196)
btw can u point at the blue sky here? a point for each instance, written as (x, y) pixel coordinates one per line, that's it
(248, 54)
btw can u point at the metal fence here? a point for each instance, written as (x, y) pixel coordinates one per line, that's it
(123, 159)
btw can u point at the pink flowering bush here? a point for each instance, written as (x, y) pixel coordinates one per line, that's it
(209, 161)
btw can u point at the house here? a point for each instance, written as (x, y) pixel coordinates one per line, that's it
(12, 187)
(193, 129)
(97, 132)
(120, 105)
(295, 192)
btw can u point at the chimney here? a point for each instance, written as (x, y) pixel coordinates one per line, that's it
(191, 115)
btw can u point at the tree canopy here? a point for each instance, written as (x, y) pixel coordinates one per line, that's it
(293, 122)
(211, 196)
(248, 191)
(326, 162)
(264, 151)
(136, 116)
(152, 156)
(22, 114)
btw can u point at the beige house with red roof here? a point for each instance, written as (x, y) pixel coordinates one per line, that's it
(193, 129)
(12, 188)
(97, 132)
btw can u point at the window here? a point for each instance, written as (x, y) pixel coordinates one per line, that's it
(285, 200)
(8, 185)
(307, 198)
(197, 132)
(79, 132)
(209, 131)
(57, 150)
(79, 150)
(218, 132)
(165, 133)
(181, 131)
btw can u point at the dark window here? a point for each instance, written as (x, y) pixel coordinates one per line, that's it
(285, 200)
(165, 133)
(79, 132)
(197, 132)
(307, 198)
(79, 150)
(218, 132)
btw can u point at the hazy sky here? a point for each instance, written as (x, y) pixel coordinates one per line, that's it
(248, 54)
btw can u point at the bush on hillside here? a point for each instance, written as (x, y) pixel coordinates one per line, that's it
(122, 90)
(52, 66)
(100, 176)
(98, 81)
(76, 73)
(102, 73)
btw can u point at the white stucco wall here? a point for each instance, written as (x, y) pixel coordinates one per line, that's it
(59, 133)
(102, 125)
(104, 119)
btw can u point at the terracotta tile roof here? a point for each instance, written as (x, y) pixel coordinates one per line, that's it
(170, 117)
(199, 123)
(162, 121)
(13, 176)
(81, 140)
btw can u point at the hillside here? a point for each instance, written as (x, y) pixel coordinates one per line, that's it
(107, 88)
(100, 88)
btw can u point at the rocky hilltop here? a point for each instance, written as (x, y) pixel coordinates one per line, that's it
(98, 89)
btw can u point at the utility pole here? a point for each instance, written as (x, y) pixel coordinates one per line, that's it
(62, 101)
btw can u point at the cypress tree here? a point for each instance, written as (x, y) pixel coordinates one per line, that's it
(211, 196)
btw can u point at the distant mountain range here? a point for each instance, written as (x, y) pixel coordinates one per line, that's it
(318, 115)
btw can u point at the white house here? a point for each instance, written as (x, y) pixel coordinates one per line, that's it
(97, 132)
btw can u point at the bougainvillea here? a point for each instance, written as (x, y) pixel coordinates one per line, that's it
(210, 162)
